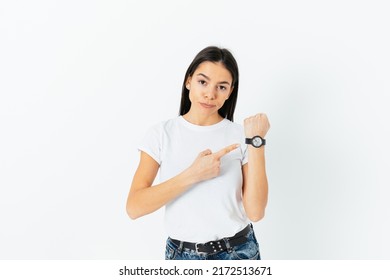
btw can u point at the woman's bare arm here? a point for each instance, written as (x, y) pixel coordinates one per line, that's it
(255, 183)
(144, 199)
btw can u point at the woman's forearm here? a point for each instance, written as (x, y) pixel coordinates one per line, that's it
(255, 190)
(145, 200)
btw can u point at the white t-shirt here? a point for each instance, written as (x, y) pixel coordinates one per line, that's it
(211, 209)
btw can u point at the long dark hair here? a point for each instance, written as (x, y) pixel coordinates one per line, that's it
(213, 54)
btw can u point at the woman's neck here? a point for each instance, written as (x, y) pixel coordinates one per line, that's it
(202, 120)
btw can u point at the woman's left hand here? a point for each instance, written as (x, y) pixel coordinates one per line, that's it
(256, 125)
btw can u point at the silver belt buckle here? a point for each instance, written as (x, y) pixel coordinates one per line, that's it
(196, 247)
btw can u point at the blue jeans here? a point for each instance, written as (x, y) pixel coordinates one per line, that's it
(246, 251)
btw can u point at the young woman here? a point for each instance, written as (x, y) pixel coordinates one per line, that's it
(212, 170)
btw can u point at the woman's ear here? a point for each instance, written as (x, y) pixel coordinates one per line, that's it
(188, 83)
(231, 90)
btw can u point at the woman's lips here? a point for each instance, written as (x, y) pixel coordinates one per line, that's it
(207, 106)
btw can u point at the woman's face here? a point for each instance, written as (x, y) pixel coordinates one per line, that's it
(210, 86)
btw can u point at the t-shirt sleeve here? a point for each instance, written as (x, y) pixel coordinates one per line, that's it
(243, 147)
(151, 143)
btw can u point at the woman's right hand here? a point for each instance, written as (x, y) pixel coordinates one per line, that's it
(207, 164)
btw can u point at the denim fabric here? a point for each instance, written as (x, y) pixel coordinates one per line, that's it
(246, 251)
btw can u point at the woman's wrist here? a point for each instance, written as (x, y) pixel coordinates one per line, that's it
(189, 177)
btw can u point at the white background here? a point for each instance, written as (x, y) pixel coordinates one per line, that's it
(81, 81)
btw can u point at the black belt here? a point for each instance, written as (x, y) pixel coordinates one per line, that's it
(218, 245)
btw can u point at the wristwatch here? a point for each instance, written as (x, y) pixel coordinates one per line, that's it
(256, 141)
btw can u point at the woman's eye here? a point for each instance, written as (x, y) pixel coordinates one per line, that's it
(202, 82)
(222, 88)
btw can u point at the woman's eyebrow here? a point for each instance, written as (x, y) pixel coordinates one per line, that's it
(207, 78)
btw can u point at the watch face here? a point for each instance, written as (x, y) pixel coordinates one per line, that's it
(257, 142)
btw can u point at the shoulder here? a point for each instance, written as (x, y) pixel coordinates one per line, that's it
(168, 125)
(234, 127)
(165, 125)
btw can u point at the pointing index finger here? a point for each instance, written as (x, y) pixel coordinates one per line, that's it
(226, 150)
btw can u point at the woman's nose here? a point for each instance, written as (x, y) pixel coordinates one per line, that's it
(210, 93)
